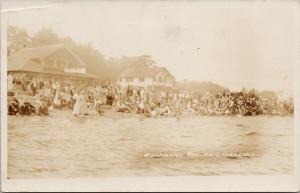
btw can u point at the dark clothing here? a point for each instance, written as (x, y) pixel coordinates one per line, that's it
(27, 109)
(13, 109)
(43, 110)
(110, 100)
(34, 88)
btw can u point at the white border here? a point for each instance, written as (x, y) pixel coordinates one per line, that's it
(201, 183)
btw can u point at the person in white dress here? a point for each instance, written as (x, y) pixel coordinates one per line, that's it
(57, 99)
(83, 104)
(76, 107)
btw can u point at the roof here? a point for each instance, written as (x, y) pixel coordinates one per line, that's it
(143, 72)
(20, 61)
(36, 68)
(20, 58)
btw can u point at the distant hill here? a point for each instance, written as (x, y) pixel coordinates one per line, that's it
(201, 87)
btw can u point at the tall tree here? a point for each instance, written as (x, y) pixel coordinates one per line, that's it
(45, 36)
(17, 39)
(95, 61)
(142, 61)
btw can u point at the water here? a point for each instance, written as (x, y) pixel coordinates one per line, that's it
(67, 146)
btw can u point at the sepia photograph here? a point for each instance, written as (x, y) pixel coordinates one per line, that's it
(149, 90)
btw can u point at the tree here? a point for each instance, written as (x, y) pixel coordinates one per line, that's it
(45, 36)
(94, 60)
(142, 61)
(17, 39)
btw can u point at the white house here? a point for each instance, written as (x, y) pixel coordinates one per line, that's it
(146, 77)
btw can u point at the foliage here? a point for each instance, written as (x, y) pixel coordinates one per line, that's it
(17, 39)
(105, 69)
(200, 87)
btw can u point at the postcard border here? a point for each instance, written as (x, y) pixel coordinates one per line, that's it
(201, 183)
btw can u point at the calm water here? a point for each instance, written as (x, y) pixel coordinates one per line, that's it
(67, 146)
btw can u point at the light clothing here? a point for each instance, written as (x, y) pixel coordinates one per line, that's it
(76, 108)
(10, 79)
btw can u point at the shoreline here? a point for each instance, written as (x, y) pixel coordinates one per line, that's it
(119, 115)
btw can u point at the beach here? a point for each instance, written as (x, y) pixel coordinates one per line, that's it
(64, 146)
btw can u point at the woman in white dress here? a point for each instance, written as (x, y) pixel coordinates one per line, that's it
(57, 99)
(83, 104)
(76, 107)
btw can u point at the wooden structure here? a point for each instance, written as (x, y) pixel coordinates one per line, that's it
(50, 61)
(156, 77)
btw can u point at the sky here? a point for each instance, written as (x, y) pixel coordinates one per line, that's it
(234, 44)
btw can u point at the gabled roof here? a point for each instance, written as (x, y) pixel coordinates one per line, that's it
(36, 68)
(143, 72)
(19, 60)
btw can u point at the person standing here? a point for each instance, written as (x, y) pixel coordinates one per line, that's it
(76, 107)
(57, 99)
(82, 103)
(34, 87)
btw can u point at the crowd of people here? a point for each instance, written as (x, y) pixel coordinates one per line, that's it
(153, 103)
(38, 96)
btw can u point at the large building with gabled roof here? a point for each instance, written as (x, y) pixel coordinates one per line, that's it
(55, 61)
(146, 77)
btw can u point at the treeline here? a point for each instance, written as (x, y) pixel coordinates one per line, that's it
(105, 69)
(202, 87)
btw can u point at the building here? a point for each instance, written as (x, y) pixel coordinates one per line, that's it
(156, 77)
(52, 61)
